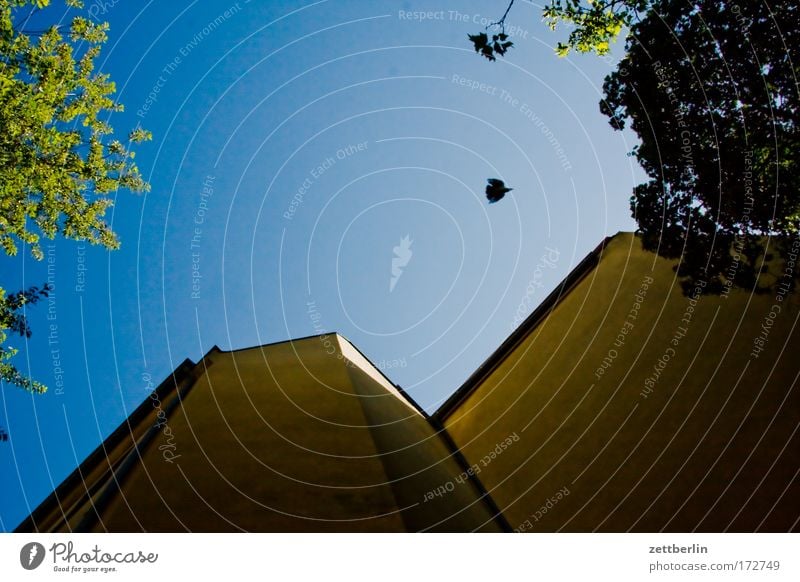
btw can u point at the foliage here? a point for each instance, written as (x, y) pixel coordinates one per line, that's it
(59, 163)
(56, 171)
(594, 23)
(12, 319)
(710, 87)
(498, 45)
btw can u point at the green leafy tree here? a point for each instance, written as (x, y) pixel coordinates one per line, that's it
(710, 87)
(12, 319)
(59, 162)
(57, 167)
(594, 23)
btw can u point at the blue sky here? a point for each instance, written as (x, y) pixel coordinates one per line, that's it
(295, 145)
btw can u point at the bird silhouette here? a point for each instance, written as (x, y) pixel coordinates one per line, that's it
(495, 190)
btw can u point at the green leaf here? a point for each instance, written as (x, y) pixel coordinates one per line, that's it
(59, 162)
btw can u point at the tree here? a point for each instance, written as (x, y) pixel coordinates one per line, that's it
(711, 89)
(59, 162)
(57, 170)
(499, 43)
(13, 319)
(594, 23)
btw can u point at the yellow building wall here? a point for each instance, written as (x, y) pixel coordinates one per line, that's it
(277, 439)
(268, 439)
(708, 443)
(428, 483)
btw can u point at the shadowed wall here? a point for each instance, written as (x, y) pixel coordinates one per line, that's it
(641, 409)
(294, 436)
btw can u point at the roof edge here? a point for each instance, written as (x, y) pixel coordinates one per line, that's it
(75, 480)
(277, 343)
(517, 336)
(397, 387)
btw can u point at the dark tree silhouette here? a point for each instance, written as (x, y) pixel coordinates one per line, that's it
(711, 89)
(12, 318)
(499, 42)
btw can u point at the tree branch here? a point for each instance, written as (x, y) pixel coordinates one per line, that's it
(502, 22)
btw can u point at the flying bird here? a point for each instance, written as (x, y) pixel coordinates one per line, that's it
(496, 190)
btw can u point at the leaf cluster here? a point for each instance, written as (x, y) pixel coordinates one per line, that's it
(499, 44)
(594, 23)
(12, 320)
(60, 164)
(711, 90)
